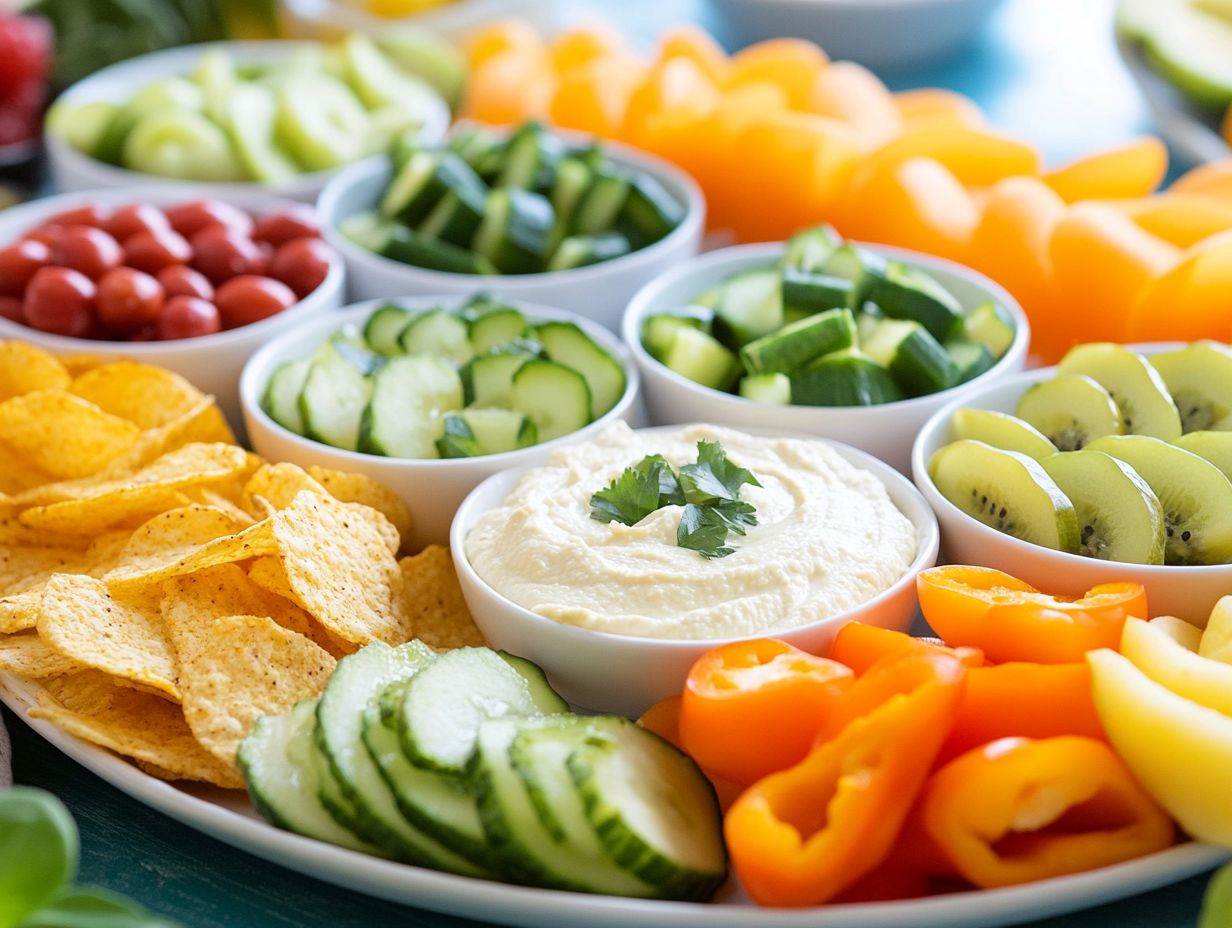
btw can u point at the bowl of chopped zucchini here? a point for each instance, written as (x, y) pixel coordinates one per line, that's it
(548, 217)
(432, 395)
(859, 343)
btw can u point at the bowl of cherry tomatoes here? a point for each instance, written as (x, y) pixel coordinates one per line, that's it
(185, 279)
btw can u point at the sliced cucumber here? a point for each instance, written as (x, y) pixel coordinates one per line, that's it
(573, 176)
(659, 331)
(971, 358)
(368, 230)
(415, 189)
(496, 327)
(333, 399)
(773, 388)
(555, 397)
(904, 292)
(479, 147)
(990, 325)
(854, 264)
(702, 359)
(439, 333)
(488, 378)
(410, 396)
(918, 364)
(807, 251)
(181, 144)
(248, 115)
(383, 327)
(805, 293)
(750, 306)
(455, 217)
(650, 212)
(281, 397)
(584, 250)
(319, 121)
(531, 158)
(601, 204)
(567, 344)
(403, 244)
(795, 345)
(473, 432)
(844, 378)
(515, 228)
(542, 695)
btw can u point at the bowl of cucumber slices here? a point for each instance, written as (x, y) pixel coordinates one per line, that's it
(432, 395)
(1114, 465)
(854, 342)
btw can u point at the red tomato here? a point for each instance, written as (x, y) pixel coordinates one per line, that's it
(10, 308)
(186, 317)
(152, 251)
(87, 249)
(18, 263)
(25, 49)
(60, 300)
(134, 218)
(88, 214)
(178, 280)
(249, 298)
(220, 253)
(280, 228)
(44, 235)
(190, 218)
(302, 264)
(128, 299)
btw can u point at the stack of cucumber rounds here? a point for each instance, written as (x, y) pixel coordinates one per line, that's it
(1117, 456)
(448, 383)
(528, 202)
(829, 325)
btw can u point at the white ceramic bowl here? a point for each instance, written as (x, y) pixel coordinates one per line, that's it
(432, 489)
(626, 674)
(211, 362)
(1187, 592)
(74, 170)
(600, 291)
(882, 34)
(885, 431)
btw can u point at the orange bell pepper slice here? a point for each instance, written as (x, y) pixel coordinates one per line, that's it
(1130, 170)
(803, 835)
(1010, 620)
(752, 707)
(1017, 810)
(663, 718)
(860, 646)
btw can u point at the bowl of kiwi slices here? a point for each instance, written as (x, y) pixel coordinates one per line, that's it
(1114, 465)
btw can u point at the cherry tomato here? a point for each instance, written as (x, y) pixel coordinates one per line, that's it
(137, 217)
(190, 218)
(280, 228)
(220, 253)
(44, 235)
(249, 298)
(152, 251)
(88, 214)
(10, 308)
(302, 264)
(178, 280)
(87, 249)
(60, 300)
(186, 317)
(128, 299)
(18, 263)
(25, 49)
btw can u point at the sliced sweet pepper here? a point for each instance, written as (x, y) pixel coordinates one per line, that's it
(663, 718)
(802, 836)
(1010, 620)
(859, 646)
(1020, 810)
(1166, 649)
(753, 707)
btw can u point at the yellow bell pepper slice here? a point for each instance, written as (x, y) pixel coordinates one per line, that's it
(1166, 650)
(1217, 639)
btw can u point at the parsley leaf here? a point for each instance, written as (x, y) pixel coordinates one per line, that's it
(704, 529)
(713, 477)
(636, 493)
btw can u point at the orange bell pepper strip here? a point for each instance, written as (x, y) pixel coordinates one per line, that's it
(752, 707)
(1010, 620)
(859, 646)
(663, 718)
(1018, 810)
(803, 835)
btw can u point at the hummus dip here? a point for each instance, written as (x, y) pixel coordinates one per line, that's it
(828, 538)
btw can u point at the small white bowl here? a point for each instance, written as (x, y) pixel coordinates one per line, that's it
(1186, 592)
(211, 362)
(432, 489)
(73, 170)
(627, 674)
(885, 431)
(598, 291)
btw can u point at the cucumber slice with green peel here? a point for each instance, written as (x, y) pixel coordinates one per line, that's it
(368, 230)
(410, 396)
(1119, 517)
(702, 359)
(573, 177)
(708, 299)
(584, 250)
(281, 397)
(970, 358)
(903, 292)
(531, 158)
(916, 361)
(808, 249)
(488, 378)
(659, 330)
(335, 802)
(601, 203)
(1215, 447)
(1196, 496)
(457, 440)
(455, 217)
(430, 57)
(1071, 410)
(216, 77)
(795, 345)
(349, 343)
(844, 378)
(82, 125)
(319, 121)
(1002, 430)
(439, 333)
(542, 695)
(333, 399)
(854, 264)
(650, 212)
(248, 115)
(1199, 379)
(379, 83)
(383, 327)
(991, 326)
(653, 809)
(806, 293)
(750, 305)
(181, 144)
(565, 343)
(554, 397)
(473, 432)
(416, 188)
(774, 388)
(1135, 386)
(496, 328)
(514, 232)
(476, 145)
(407, 246)
(402, 147)
(1007, 491)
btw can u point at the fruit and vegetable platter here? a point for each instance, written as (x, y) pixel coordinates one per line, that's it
(798, 602)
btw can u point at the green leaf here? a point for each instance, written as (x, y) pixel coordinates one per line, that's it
(635, 494)
(94, 908)
(38, 851)
(713, 477)
(1217, 905)
(704, 530)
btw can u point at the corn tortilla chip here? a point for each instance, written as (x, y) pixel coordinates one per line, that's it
(255, 541)
(22, 568)
(78, 364)
(268, 573)
(25, 368)
(18, 474)
(172, 535)
(360, 488)
(277, 485)
(217, 500)
(146, 395)
(203, 423)
(28, 655)
(433, 604)
(64, 435)
(20, 611)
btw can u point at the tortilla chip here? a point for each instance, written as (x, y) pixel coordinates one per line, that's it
(277, 485)
(22, 568)
(147, 395)
(222, 501)
(18, 474)
(172, 535)
(268, 573)
(360, 488)
(81, 620)
(90, 706)
(20, 611)
(247, 667)
(78, 364)
(28, 655)
(433, 604)
(25, 368)
(202, 423)
(63, 435)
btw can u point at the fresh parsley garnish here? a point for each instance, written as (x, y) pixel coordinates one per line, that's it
(709, 490)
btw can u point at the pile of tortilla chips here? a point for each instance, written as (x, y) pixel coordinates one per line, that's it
(165, 588)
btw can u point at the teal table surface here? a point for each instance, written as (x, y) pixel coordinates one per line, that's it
(1043, 70)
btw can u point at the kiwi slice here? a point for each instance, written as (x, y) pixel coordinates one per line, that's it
(1071, 410)
(1199, 377)
(1119, 517)
(1196, 496)
(1007, 491)
(1137, 389)
(1216, 447)
(1001, 430)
